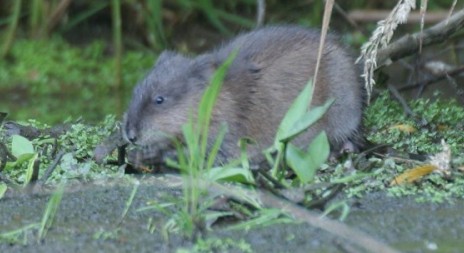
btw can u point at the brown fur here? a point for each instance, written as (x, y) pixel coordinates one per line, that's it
(270, 70)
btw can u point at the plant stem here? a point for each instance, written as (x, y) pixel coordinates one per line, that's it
(12, 28)
(34, 19)
(117, 43)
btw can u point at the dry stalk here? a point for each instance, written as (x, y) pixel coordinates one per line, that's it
(380, 38)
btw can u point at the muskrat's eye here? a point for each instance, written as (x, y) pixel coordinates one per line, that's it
(159, 100)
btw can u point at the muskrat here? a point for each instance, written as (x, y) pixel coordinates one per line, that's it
(272, 66)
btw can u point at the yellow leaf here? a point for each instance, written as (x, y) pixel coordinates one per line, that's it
(404, 128)
(442, 127)
(413, 174)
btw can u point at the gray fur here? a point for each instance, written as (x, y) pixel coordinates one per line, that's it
(272, 67)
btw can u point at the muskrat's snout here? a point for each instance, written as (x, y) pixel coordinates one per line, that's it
(129, 131)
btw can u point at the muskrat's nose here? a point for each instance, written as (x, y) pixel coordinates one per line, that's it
(131, 135)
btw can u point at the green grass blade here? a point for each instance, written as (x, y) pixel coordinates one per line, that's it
(50, 211)
(208, 101)
(240, 175)
(208, 9)
(14, 236)
(30, 169)
(154, 22)
(87, 13)
(3, 188)
(11, 29)
(216, 146)
(129, 201)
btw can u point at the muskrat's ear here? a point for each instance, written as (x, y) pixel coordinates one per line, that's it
(206, 65)
(165, 55)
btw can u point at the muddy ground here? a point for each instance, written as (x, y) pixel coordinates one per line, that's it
(88, 221)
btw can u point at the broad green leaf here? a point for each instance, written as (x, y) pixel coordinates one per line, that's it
(230, 174)
(23, 158)
(319, 149)
(305, 121)
(305, 164)
(20, 146)
(294, 113)
(301, 163)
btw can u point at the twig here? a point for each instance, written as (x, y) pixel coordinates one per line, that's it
(51, 168)
(312, 218)
(7, 180)
(334, 227)
(435, 79)
(409, 44)
(413, 17)
(57, 15)
(454, 85)
(5, 156)
(261, 12)
(35, 170)
(400, 99)
(348, 18)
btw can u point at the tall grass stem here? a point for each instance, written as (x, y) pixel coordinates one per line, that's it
(12, 29)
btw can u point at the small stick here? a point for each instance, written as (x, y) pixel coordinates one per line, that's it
(400, 99)
(261, 12)
(51, 168)
(435, 79)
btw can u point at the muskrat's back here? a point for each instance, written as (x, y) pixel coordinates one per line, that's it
(271, 68)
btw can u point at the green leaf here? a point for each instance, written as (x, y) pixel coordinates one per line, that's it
(230, 174)
(20, 146)
(264, 217)
(23, 158)
(319, 149)
(305, 164)
(30, 169)
(50, 211)
(300, 162)
(305, 121)
(294, 113)
(342, 205)
(205, 108)
(216, 146)
(3, 189)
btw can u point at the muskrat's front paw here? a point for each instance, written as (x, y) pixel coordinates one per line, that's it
(148, 155)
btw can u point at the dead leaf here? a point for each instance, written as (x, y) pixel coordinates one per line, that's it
(413, 174)
(439, 162)
(405, 128)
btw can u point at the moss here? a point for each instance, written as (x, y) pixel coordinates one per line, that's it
(436, 120)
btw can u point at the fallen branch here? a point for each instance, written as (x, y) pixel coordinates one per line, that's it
(409, 44)
(414, 17)
(312, 218)
(334, 227)
(435, 79)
